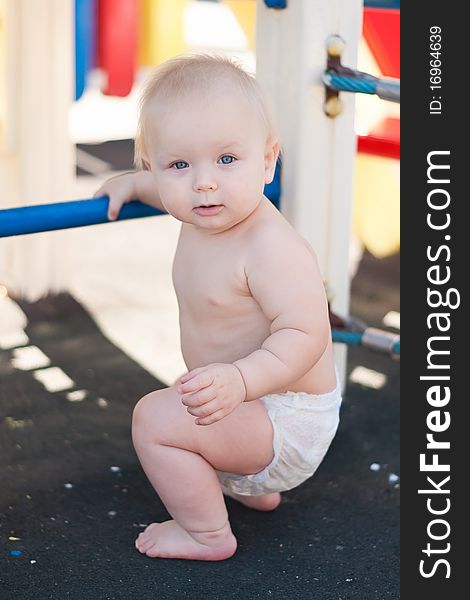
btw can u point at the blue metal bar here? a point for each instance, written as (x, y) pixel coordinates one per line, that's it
(65, 215)
(387, 89)
(85, 35)
(393, 4)
(276, 3)
(375, 339)
(347, 337)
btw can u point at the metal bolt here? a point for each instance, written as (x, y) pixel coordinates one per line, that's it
(333, 106)
(335, 45)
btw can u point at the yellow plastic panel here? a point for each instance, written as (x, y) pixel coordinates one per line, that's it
(161, 27)
(245, 11)
(376, 211)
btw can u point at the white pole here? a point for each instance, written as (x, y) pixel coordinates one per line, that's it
(318, 152)
(36, 160)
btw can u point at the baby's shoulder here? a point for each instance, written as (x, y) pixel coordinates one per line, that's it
(274, 235)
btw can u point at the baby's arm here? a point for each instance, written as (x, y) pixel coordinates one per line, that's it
(130, 186)
(285, 280)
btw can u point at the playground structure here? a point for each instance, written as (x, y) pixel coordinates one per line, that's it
(291, 46)
(156, 31)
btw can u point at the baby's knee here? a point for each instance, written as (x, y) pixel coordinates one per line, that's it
(148, 415)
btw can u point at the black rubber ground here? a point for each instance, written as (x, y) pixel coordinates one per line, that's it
(336, 537)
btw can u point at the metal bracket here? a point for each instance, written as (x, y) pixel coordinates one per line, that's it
(335, 47)
(338, 78)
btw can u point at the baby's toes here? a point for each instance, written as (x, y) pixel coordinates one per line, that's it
(143, 545)
(138, 543)
(147, 538)
(143, 542)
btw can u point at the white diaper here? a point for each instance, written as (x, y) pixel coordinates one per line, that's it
(304, 426)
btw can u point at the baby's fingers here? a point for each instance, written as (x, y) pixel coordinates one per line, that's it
(190, 374)
(204, 410)
(199, 398)
(114, 208)
(114, 204)
(195, 383)
(213, 418)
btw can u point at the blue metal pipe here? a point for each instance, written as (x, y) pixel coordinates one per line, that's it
(351, 338)
(276, 3)
(382, 341)
(65, 215)
(363, 83)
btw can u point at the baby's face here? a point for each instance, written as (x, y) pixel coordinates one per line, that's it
(210, 160)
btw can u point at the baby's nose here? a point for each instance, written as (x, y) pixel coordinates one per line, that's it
(205, 185)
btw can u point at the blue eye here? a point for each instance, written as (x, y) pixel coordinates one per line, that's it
(180, 164)
(226, 159)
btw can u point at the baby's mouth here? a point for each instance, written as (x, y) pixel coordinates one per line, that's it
(207, 210)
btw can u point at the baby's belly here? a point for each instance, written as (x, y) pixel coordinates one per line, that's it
(227, 340)
(220, 340)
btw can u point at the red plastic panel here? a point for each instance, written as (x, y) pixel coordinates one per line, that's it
(117, 44)
(383, 141)
(381, 30)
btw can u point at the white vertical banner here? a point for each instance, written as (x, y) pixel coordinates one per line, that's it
(318, 151)
(36, 160)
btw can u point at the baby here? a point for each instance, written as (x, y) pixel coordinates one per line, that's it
(257, 410)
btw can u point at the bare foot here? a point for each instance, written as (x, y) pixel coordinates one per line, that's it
(265, 502)
(170, 540)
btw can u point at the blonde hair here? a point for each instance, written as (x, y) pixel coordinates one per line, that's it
(186, 74)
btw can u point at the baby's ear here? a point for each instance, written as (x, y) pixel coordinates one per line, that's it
(146, 164)
(270, 158)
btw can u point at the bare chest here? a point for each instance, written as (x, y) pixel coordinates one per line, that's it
(210, 279)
